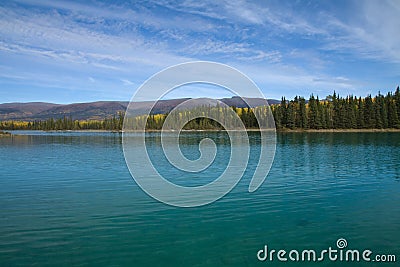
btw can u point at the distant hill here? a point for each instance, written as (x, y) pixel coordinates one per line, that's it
(81, 111)
(238, 102)
(9, 111)
(102, 109)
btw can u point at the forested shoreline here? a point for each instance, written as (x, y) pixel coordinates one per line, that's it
(334, 112)
(66, 123)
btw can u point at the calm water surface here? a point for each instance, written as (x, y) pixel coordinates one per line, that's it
(68, 199)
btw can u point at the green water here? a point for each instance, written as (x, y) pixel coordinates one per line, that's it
(68, 199)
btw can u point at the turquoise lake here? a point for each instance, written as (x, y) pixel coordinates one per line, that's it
(67, 198)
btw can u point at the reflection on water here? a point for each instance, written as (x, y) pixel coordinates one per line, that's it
(68, 199)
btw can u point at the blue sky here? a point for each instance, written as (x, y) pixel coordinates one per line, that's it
(71, 51)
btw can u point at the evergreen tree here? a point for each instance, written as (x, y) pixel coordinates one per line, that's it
(291, 115)
(303, 114)
(369, 112)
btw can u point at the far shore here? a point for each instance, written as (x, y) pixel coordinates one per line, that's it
(4, 133)
(338, 130)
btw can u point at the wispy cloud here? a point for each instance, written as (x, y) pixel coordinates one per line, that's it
(291, 47)
(127, 82)
(371, 33)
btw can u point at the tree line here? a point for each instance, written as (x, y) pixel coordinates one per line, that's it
(334, 112)
(66, 123)
(223, 115)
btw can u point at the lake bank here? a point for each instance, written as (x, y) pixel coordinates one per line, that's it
(16, 132)
(2, 134)
(338, 130)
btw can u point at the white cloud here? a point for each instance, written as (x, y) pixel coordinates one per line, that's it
(62, 38)
(127, 82)
(280, 46)
(372, 33)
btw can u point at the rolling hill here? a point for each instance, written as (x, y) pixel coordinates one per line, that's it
(99, 110)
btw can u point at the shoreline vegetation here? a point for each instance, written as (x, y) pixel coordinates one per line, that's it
(333, 114)
(279, 131)
(2, 133)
